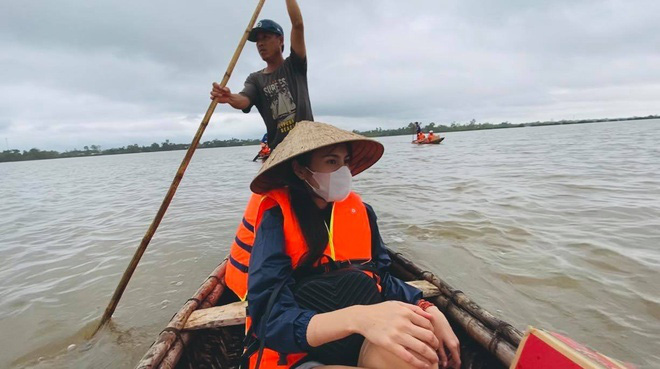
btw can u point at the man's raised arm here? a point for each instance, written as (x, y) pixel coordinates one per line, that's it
(297, 29)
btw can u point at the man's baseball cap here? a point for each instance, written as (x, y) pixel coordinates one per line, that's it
(265, 25)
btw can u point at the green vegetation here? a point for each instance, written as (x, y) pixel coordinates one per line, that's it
(473, 125)
(93, 150)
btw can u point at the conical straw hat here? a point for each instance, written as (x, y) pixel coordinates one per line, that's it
(307, 136)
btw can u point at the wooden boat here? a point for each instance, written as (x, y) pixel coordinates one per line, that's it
(435, 141)
(208, 330)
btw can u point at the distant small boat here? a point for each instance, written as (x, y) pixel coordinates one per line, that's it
(435, 141)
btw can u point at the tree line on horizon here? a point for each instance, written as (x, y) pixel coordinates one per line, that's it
(411, 128)
(94, 150)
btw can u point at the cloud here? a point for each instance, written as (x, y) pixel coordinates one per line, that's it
(118, 72)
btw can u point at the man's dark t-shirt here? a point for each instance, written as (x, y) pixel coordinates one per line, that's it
(281, 97)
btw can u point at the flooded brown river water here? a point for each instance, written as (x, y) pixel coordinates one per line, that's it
(557, 227)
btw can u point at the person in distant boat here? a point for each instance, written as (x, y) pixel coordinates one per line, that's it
(280, 90)
(430, 137)
(265, 149)
(418, 128)
(319, 288)
(421, 137)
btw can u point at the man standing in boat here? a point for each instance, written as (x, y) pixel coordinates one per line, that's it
(279, 91)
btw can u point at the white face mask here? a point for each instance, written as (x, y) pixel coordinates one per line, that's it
(333, 186)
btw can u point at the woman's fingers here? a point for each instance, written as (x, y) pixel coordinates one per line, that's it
(417, 310)
(425, 335)
(404, 330)
(409, 358)
(448, 341)
(455, 351)
(422, 349)
(421, 321)
(443, 357)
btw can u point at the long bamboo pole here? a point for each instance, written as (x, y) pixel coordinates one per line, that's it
(177, 179)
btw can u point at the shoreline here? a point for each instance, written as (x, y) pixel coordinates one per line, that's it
(36, 154)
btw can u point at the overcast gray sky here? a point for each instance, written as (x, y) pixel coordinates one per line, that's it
(117, 72)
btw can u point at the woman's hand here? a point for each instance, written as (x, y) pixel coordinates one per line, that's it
(447, 339)
(403, 329)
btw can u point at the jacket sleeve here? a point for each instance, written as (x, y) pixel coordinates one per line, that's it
(393, 288)
(286, 328)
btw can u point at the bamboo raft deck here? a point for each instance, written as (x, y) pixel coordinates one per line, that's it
(208, 331)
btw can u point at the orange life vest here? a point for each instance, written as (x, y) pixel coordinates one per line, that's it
(420, 137)
(349, 240)
(431, 136)
(239, 254)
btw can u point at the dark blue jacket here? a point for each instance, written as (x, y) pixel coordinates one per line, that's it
(286, 330)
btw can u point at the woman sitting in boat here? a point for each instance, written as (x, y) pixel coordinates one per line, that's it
(431, 136)
(319, 291)
(421, 137)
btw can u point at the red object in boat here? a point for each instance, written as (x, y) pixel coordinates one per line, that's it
(548, 350)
